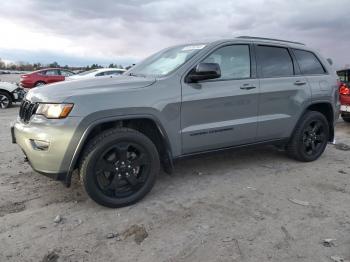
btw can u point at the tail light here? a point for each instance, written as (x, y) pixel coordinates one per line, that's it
(344, 89)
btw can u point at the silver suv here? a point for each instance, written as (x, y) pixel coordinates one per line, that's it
(181, 101)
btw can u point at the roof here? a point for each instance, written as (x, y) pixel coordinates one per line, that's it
(270, 39)
(109, 69)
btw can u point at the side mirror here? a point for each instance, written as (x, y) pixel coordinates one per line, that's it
(330, 61)
(205, 71)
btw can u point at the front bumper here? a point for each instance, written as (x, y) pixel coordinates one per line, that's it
(55, 134)
(18, 94)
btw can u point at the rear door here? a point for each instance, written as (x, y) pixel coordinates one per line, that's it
(53, 75)
(221, 112)
(283, 92)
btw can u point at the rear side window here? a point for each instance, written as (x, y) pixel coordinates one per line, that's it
(274, 61)
(308, 63)
(52, 72)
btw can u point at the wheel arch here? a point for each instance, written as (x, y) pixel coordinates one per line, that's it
(39, 81)
(142, 123)
(326, 109)
(7, 92)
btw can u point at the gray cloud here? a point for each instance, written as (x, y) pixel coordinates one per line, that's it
(137, 28)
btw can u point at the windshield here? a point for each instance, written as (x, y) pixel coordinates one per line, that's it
(165, 61)
(87, 72)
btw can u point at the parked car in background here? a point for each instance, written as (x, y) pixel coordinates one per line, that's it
(344, 92)
(44, 76)
(10, 93)
(94, 73)
(182, 101)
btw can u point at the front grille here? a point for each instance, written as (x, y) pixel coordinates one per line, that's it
(26, 110)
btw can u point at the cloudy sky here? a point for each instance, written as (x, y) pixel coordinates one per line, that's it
(79, 32)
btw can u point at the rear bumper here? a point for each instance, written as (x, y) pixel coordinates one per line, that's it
(26, 84)
(345, 105)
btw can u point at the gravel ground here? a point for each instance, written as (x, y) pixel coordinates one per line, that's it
(245, 205)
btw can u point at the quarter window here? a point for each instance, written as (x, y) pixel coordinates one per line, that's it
(274, 61)
(234, 61)
(308, 63)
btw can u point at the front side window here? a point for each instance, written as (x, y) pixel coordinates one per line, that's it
(234, 61)
(308, 63)
(166, 61)
(108, 73)
(274, 61)
(87, 72)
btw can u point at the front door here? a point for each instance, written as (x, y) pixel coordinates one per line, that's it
(221, 112)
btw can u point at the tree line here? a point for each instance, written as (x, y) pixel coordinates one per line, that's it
(25, 66)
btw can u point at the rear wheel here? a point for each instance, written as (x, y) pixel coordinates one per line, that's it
(5, 100)
(119, 167)
(346, 118)
(310, 137)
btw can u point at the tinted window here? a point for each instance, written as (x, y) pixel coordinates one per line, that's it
(100, 74)
(107, 73)
(274, 61)
(343, 76)
(53, 72)
(66, 73)
(308, 63)
(234, 61)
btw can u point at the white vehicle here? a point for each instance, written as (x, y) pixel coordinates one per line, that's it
(10, 93)
(101, 72)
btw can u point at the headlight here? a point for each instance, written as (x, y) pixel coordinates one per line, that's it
(54, 110)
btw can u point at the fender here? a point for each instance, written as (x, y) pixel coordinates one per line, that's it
(331, 121)
(92, 125)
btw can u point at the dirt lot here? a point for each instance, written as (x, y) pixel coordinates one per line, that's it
(246, 205)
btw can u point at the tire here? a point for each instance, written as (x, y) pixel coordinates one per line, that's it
(5, 100)
(40, 83)
(346, 118)
(308, 142)
(105, 154)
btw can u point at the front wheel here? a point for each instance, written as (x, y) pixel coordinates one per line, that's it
(310, 137)
(119, 167)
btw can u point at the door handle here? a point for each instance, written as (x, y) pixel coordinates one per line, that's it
(299, 83)
(247, 87)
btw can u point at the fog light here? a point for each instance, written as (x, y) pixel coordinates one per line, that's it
(40, 144)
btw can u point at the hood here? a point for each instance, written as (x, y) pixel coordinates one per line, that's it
(61, 91)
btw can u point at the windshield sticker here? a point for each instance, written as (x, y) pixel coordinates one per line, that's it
(193, 47)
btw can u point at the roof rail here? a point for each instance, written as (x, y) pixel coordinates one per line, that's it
(269, 39)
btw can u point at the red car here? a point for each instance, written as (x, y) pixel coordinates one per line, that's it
(44, 76)
(344, 91)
